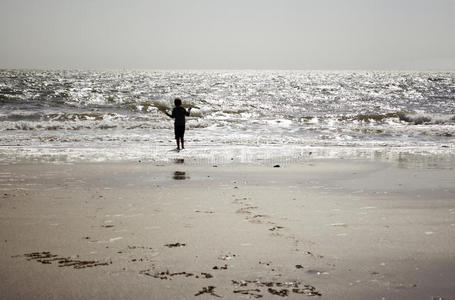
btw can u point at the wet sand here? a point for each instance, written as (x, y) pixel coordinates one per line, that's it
(325, 230)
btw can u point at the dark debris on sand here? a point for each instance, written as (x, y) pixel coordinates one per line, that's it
(250, 292)
(282, 289)
(227, 256)
(47, 258)
(139, 247)
(208, 290)
(205, 211)
(281, 293)
(175, 245)
(276, 228)
(220, 268)
(166, 275)
(206, 275)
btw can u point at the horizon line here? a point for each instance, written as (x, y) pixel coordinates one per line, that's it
(220, 69)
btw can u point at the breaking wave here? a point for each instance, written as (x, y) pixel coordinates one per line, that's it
(410, 118)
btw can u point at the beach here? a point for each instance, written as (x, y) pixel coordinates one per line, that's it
(195, 150)
(328, 229)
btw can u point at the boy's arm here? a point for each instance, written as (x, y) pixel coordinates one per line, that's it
(188, 112)
(170, 115)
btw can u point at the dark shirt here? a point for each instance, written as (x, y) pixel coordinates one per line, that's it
(179, 113)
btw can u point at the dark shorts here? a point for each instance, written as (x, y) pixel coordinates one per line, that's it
(179, 131)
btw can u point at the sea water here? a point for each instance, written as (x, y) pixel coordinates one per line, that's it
(238, 116)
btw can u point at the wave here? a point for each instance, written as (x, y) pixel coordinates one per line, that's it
(72, 125)
(428, 119)
(91, 116)
(409, 118)
(57, 116)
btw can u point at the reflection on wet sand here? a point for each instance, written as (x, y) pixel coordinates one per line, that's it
(178, 175)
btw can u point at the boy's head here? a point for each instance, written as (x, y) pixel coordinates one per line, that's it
(177, 102)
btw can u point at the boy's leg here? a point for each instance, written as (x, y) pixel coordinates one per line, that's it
(179, 132)
(178, 143)
(183, 134)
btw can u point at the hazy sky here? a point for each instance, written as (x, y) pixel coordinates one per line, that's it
(228, 34)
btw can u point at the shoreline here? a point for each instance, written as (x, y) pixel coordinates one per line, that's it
(340, 228)
(240, 159)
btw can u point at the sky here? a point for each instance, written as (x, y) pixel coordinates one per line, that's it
(228, 34)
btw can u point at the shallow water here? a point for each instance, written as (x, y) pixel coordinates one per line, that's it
(240, 116)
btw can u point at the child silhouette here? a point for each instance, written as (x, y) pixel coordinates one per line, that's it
(178, 114)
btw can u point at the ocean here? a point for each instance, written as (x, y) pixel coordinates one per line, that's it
(258, 117)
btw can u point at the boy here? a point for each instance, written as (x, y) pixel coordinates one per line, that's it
(179, 113)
